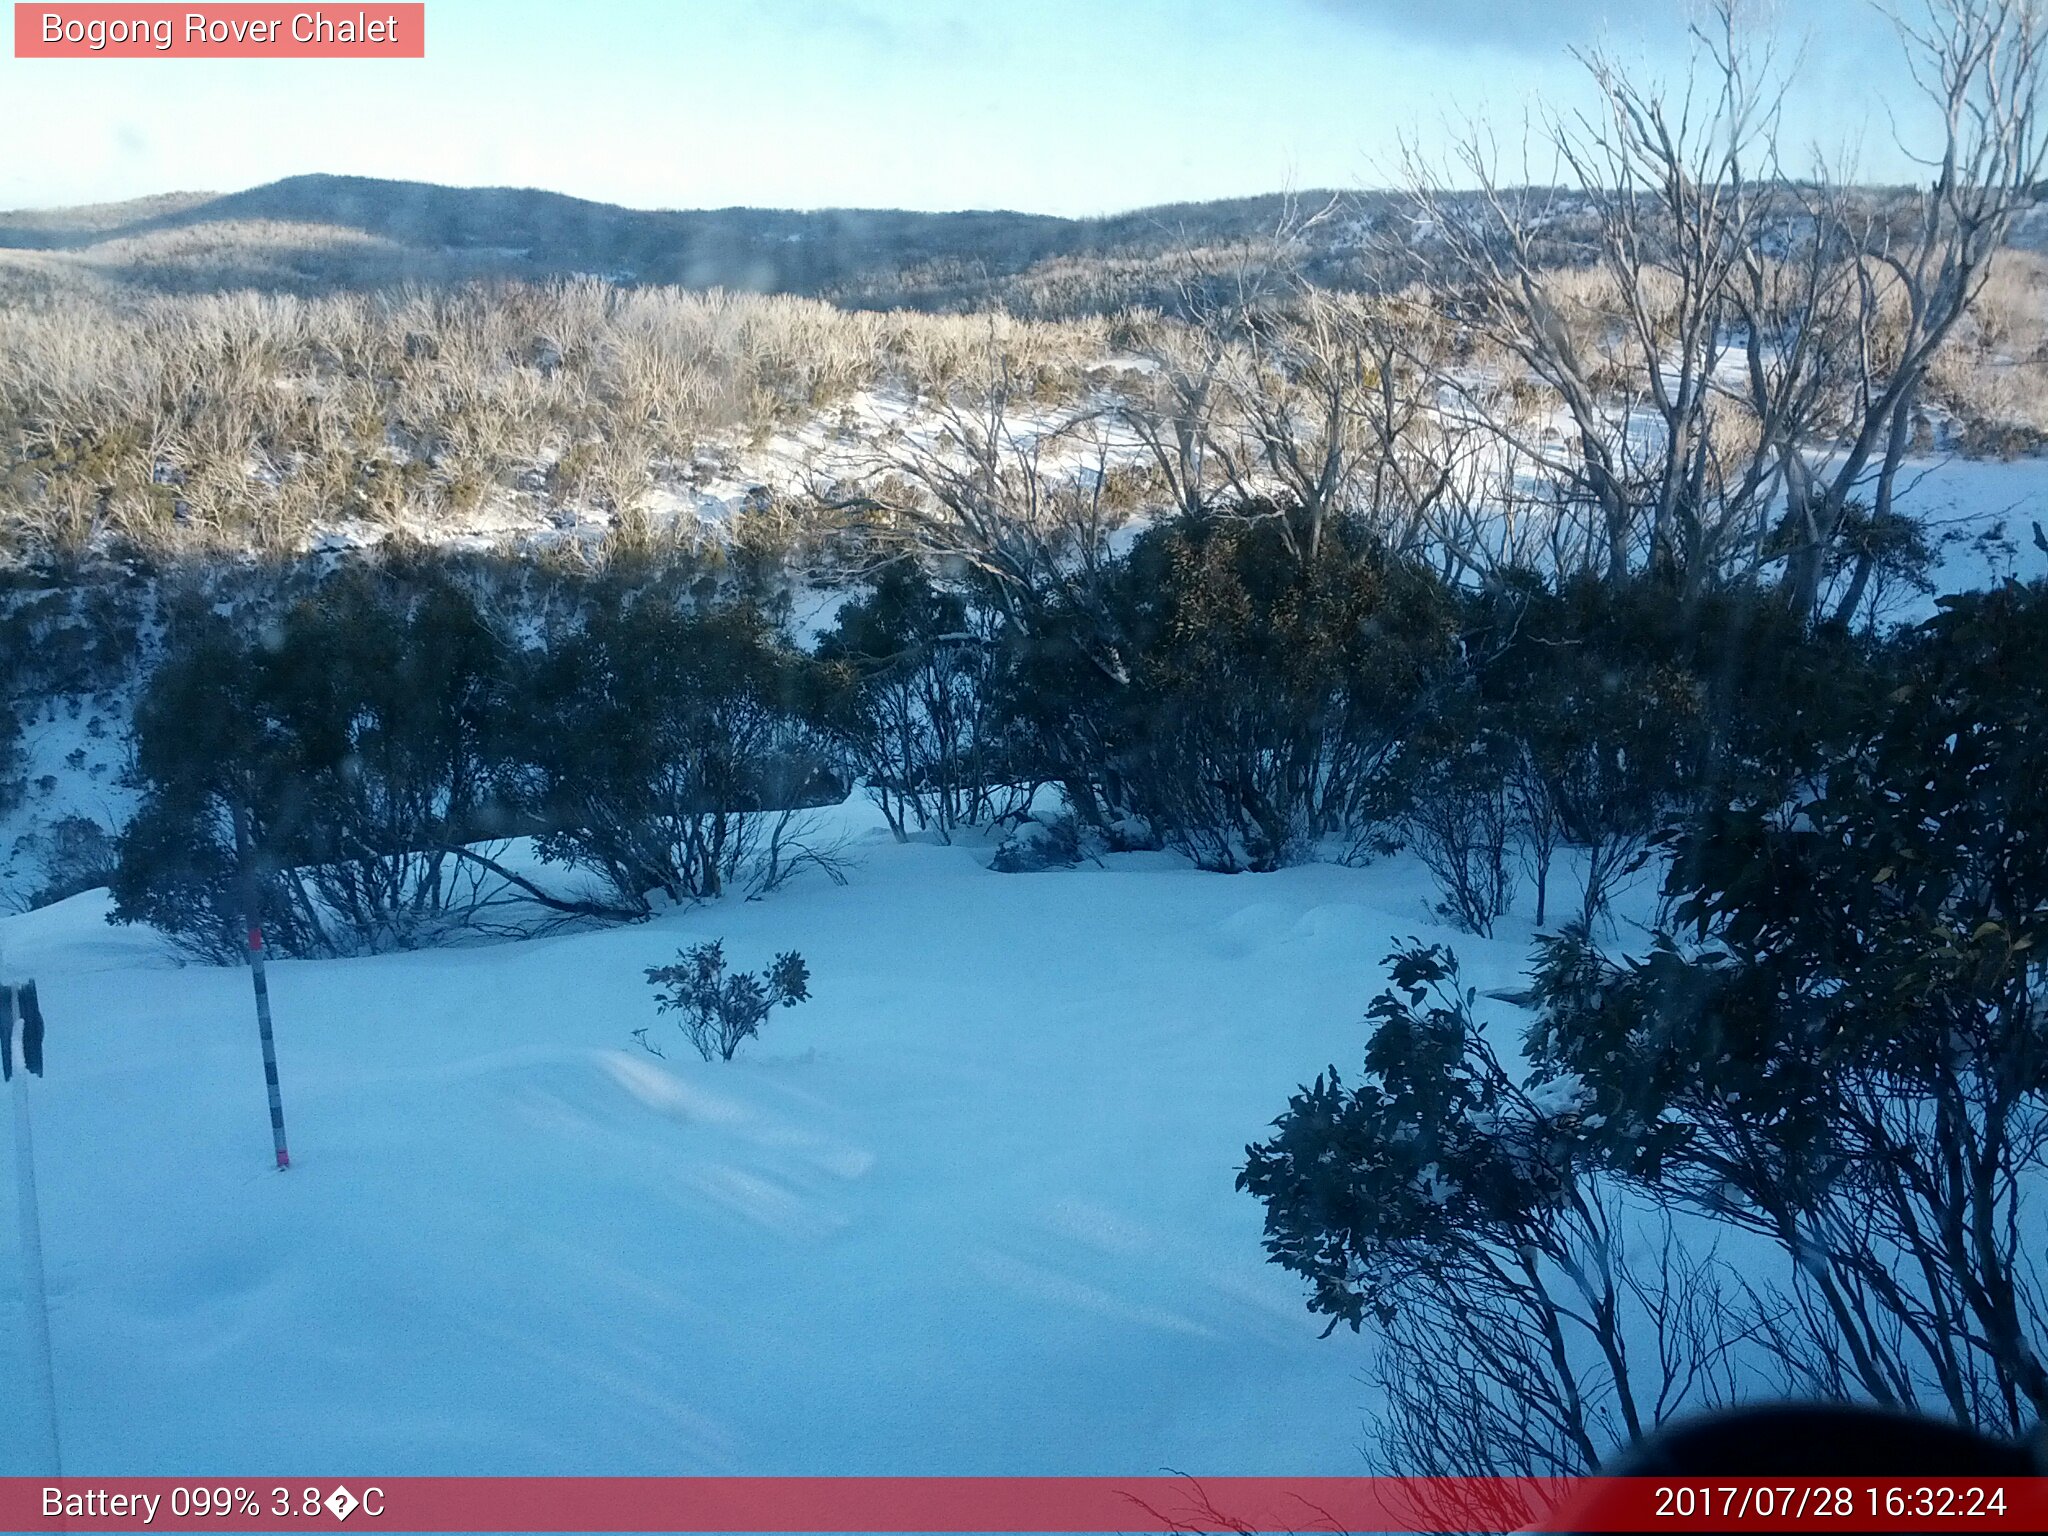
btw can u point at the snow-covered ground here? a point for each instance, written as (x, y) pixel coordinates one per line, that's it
(970, 1210)
(1982, 515)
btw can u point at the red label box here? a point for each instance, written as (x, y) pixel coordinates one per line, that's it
(371, 31)
(1227, 1506)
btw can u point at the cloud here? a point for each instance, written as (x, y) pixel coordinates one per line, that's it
(1522, 26)
(845, 20)
(881, 34)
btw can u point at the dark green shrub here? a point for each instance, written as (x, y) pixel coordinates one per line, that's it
(670, 751)
(916, 718)
(354, 743)
(723, 1010)
(1264, 694)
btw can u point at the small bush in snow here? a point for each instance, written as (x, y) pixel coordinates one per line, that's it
(1461, 822)
(914, 715)
(721, 1010)
(670, 751)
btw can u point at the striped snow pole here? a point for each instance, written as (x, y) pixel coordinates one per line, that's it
(20, 1003)
(252, 904)
(284, 1158)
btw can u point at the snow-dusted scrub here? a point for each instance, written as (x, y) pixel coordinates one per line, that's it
(1994, 373)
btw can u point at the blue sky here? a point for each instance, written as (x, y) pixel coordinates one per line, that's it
(1057, 106)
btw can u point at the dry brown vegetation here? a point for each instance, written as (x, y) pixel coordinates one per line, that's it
(1991, 376)
(207, 421)
(1994, 374)
(222, 421)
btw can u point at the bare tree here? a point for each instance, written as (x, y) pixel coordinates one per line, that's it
(1254, 392)
(1294, 397)
(1715, 341)
(1979, 64)
(1170, 408)
(984, 486)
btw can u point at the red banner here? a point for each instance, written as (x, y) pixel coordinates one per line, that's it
(1006, 1504)
(375, 31)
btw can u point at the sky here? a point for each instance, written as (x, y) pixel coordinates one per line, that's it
(1055, 106)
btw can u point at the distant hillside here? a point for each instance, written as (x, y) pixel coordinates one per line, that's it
(314, 232)
(43, 229)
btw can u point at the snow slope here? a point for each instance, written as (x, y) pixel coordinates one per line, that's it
(968, 1211)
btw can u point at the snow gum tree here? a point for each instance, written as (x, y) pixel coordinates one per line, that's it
(1530, 1326)
(1838, 1042)
(1773, 325)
